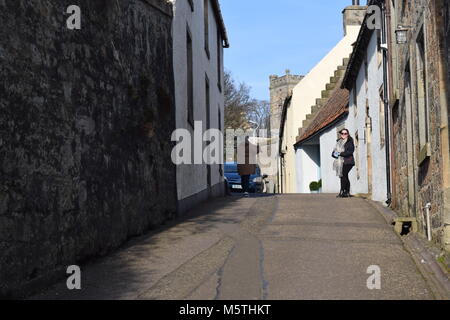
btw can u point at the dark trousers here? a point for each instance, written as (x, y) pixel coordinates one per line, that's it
(245, 180)
(345, 182)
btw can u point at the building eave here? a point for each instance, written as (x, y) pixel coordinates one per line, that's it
(219, 17)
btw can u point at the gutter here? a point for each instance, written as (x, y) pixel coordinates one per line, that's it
(219, 17)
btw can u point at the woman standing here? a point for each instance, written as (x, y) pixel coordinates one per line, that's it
(343, 153)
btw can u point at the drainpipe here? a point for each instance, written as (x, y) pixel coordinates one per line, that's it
(386, 107)
(444, 126)
(427, 210)
(390, 58)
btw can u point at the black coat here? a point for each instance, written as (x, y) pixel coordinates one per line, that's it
(348, 153)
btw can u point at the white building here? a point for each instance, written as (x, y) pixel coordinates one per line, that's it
(356, 104)
(310, 93)
(366, 122)
(199, 36)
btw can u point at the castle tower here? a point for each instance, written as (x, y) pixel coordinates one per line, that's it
(280, 89)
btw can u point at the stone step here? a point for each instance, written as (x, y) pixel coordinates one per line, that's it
(346, 61)
(305, 124)
(315, 109)
(342, 68)
(339, 73)
(334, 79)
(309, 116)
(326, 94)
(321, 102)
(331, 86)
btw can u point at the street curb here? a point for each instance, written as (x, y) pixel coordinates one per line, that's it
(432, 271)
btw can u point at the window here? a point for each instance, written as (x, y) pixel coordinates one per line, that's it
(207, 103)
(219, 118)
(357, 155)
(220, 129)
(422, 108)
(206, 25)
(382, 119)
(219, 60)
(190, 78)
(379, 50)
(366, 74)
(208, 126)
(355, 100)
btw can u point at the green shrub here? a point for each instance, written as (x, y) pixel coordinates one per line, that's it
(314, 186)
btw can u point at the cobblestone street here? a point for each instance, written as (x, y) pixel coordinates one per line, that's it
(274, 247)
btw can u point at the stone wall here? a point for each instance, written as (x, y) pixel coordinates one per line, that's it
(418, 183)
(85, 123)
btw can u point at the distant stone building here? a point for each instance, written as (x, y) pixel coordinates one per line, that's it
(85, 125)
(199, 39)
(280, 88)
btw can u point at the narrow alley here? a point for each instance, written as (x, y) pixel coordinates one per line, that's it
(225, 150)
(281, 247)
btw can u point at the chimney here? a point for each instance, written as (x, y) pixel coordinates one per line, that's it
(353, 15)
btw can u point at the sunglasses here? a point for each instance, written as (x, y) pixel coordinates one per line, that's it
(344, 133)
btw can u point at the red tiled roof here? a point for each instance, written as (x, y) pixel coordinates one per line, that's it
(336, 106)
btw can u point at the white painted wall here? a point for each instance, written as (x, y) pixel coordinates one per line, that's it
(192, 179)
(330, 181)
(357, 123)
(308, 163)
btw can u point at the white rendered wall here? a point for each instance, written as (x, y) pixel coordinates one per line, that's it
(357, 123)
(308, 163)
(379, 188)
(192, 179)
(330, 181)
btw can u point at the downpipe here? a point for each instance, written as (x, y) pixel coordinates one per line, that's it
(386, 108)
(427, 211)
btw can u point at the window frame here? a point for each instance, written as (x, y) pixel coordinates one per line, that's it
(190, 77)
(206, 27)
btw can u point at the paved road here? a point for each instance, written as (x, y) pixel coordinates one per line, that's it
(274, 247)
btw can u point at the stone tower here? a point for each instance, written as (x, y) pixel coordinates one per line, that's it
(280, 89)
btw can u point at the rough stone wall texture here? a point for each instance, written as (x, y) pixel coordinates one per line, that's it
(85, 123)
(428, 176)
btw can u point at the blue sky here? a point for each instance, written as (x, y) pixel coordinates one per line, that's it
(269, 36)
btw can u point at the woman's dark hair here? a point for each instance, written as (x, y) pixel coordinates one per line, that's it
(349, 136)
